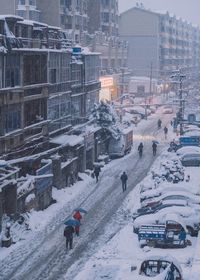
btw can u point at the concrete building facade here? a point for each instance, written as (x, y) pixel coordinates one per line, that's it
(160, 41)
(103, 16)
(45, 86)
(70, 15)
(24, 8)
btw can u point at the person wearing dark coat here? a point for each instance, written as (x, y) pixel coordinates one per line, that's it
(165, 132)
(68, 233)
(124, 179)
(140, 149)
(159, 123)
(96, 172)
(154, 147)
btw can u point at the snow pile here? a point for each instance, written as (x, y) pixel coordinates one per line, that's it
(29, 198)
(27, 185)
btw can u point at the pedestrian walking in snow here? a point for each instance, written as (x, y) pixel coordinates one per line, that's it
(77, 215)
(159, 123)
(68, 233)
(96, 172)
(188, 178)
(140, 149)
(165, 132)
(154, 148)
(124, 179)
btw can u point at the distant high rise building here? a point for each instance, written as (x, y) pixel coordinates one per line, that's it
(28, 9)
(24, 8)
(159, 42)
(103, 16)
(70, 15)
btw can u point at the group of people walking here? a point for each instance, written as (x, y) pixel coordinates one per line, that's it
(70, 230)
(141, 147)
(165, 128)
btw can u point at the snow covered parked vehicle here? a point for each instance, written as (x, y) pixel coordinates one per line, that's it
(188, 217)
(172, 195)
(166, 268)
(164, 204)
(120, 147)
(170, 235)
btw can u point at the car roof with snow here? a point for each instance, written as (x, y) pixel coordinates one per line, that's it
(160, 216)
(176, 193)
(188, 150)
(167, 258)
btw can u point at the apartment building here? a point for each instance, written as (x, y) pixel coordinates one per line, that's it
(41, 81)
(159, 40)
(70, 15)
(103, 16)
(24, 8)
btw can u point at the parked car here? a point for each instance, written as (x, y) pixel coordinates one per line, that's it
(164, 189)
(163, 236)
(163, 266)
(172, 195)
(188, 150)
(164, 204)
(190, 159)
(167, 110)
(188, 217)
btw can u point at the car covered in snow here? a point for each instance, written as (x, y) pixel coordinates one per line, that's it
(188, 150)
(189, 155)
(161, 268)
(164, 204)
(188, 197)
(163, 189)
(167, 110)
(190, 160)
(188, 217)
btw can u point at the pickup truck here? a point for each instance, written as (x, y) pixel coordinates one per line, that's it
(162, 236)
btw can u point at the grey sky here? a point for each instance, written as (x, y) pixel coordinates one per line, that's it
(186, 9)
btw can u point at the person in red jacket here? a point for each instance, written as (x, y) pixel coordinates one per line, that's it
(77, 215)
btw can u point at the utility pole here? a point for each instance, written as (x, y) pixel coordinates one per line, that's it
(151, 74)
(181, 101)
(150, 89)
(122, 91)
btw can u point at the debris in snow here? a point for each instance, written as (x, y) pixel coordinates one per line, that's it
(29, 198)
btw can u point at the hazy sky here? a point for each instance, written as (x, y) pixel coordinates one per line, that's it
(186, 9)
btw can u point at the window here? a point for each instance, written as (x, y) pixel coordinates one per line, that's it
(12, 70)
(140, 89)
(21, 2)
(58, 107)
(32, 2)
(13, 118)
(54, 68)
(35, 69)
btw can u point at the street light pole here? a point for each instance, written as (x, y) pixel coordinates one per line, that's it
(150, 89)
(181, 101)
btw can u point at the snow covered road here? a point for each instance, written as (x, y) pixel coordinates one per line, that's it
(45, 256)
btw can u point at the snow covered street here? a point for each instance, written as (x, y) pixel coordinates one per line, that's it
(43, 255)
